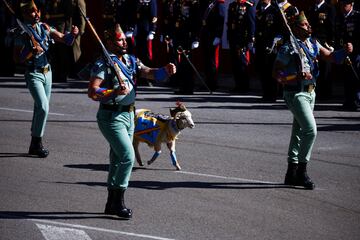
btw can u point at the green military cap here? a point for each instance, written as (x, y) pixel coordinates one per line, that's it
(297, 19)
(115, 31)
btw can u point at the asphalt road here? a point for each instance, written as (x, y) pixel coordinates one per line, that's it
(230, 187)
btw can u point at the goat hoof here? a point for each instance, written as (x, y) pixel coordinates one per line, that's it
(149, 162)
(178, 168)
(140, 164)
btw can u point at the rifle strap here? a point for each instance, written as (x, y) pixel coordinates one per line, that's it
(311, 57)
(127, 71)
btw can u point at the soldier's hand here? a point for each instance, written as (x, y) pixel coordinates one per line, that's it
(216, 41)
(170, 68)
(122, 90)
(348, 48)
(74, 30)
(129, 34)
(307, 76)
(150, 36)
(195, 45)
(37, 50)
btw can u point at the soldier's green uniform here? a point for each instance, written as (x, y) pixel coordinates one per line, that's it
(38, 77)
(115, 119)
(31, 47)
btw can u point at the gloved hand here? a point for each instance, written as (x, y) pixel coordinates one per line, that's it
(150, 36)
(195, 45)
(129, 34)
(216, 41)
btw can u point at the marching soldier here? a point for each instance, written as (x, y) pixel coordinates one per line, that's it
(212, 13)
(179, 34)
(349, 31)
(299, 82)
(267, 27)
(321, 17)
(32, 52)
(241, 37)
(115, 116)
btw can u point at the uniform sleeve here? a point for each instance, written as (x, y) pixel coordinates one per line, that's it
(98, 70)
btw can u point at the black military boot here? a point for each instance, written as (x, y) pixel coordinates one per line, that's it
(290, 177)
(302, 179)
(116, 204)
(109, 202)
(36, 148)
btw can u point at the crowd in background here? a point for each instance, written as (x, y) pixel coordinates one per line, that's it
(191, 31)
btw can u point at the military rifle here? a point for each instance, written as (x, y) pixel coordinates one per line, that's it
(114, 68)
(293, 41)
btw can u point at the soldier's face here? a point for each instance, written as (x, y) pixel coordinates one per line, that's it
(120, 45)
(346, 7)
(32, 15)
(303, 29)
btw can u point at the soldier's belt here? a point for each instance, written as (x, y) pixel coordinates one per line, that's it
(307, 88)
(42, 70)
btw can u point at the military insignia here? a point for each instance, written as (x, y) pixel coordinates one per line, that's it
(350, 27)
(269, 19)
(242, 10)
(322, 17)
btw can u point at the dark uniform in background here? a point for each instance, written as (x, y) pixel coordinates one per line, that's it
(109, 9)
(267, 28)
(179, 30)
(321, 17)
(212, 13)
(125, 14)
(349, 31)
(145, 28)
(57, 13)
(241, 36)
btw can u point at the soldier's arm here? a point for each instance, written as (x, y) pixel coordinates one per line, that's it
(157, 74)
(338, 56)
(67, 38)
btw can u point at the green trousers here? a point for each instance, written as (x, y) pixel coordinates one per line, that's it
(118, 130)
(304, 129)
(39, 85)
